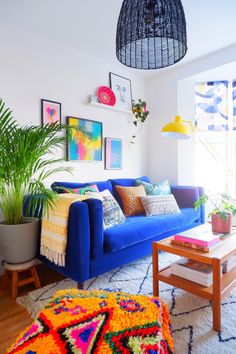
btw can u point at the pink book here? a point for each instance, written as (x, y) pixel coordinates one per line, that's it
(198, 236)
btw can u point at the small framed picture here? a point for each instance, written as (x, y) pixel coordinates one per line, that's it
(113, 154)
(84, 143)
(121, 86)
(50, 112)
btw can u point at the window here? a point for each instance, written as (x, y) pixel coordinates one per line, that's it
(215, 138)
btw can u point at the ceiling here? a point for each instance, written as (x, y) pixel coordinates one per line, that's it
(90, 26)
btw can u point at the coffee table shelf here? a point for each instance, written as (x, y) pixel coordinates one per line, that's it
(228, 282)
(187, 285)
(222, 284)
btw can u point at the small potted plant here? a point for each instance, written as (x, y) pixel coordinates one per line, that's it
(28, 155)
(140, 113)
(221, 215)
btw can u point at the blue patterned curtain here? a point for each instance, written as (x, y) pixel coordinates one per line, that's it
(212, 105)
(234, 103)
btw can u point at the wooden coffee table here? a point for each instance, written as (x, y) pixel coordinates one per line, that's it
(221, 284)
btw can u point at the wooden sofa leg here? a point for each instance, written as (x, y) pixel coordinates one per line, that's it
(80, 286)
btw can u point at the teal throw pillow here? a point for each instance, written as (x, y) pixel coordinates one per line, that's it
(161, 188)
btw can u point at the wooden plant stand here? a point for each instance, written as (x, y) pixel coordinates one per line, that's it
(13, 273)
(221, 284)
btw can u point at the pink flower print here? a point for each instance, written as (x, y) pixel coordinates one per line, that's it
(51, 113)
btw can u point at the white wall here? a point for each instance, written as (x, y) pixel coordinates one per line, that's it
(186, 148)
(166, 154)
(34, 67)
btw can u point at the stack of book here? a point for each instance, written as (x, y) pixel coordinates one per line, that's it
(229, 264)
(200, 238)
(193, 270)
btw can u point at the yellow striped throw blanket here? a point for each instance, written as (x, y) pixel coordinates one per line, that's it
(54, 228)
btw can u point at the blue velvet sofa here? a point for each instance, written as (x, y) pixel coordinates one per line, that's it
(91, 250)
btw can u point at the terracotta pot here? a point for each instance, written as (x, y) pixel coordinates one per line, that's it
(221, 226)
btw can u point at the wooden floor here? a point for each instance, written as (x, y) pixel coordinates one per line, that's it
(13, 317)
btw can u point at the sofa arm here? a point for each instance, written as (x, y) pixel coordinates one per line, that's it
(78, 243)
(186, 196)
(96, 226)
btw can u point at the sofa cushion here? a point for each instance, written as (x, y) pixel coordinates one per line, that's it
(160, 204)
(131, 199)
(162, 187)
(139, 228)
(83, 190)
(125, 182)
(112, 213)
(59, 186)
(186, 195)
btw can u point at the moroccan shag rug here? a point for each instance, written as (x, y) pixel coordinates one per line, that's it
(191, 316)
(98, 321)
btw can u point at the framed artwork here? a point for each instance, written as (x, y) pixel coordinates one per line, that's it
(211, 101)
(84, 140)
(113, 154)
(50, 112)
(122, 89)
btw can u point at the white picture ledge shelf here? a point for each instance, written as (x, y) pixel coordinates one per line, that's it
(109, 108)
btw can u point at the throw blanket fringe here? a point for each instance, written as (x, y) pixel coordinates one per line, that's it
(54, 228)
(53, 256)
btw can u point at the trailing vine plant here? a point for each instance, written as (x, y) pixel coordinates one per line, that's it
(140, 113)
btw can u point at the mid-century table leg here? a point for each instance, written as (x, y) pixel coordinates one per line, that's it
(216, 295)
(155, 270)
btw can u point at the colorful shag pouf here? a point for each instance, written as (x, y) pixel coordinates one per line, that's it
(77, 321)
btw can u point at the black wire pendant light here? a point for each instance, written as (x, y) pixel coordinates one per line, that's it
(151, 34)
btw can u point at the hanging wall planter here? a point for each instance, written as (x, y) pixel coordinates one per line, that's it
(140, 113)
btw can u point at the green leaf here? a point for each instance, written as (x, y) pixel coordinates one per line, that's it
(27, 158)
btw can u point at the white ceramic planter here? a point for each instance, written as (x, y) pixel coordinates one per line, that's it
(18, 243)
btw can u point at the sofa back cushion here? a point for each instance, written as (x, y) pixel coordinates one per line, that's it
(160, 205)
(125, 182)
(112, 213)
(82, 191)
(160, 188)
(131, 199)
(59, 186)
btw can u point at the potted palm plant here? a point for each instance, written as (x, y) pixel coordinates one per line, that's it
(27, 157)
(221, 214)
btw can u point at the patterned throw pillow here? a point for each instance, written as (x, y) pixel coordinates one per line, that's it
(160, 204)
(83, 190)
(112, 213)
(161, 188)
(130, 198)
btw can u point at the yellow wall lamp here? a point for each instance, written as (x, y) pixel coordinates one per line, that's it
(181, 129)
(178, 129)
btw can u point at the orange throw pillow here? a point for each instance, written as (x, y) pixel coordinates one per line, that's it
(131, 199)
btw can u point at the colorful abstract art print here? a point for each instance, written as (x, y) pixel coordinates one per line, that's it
(84, 140)
(113, 154)
(212, 105)
(121, 86)
(50, 112)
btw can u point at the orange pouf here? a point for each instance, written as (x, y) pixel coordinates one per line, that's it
(77, 321)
